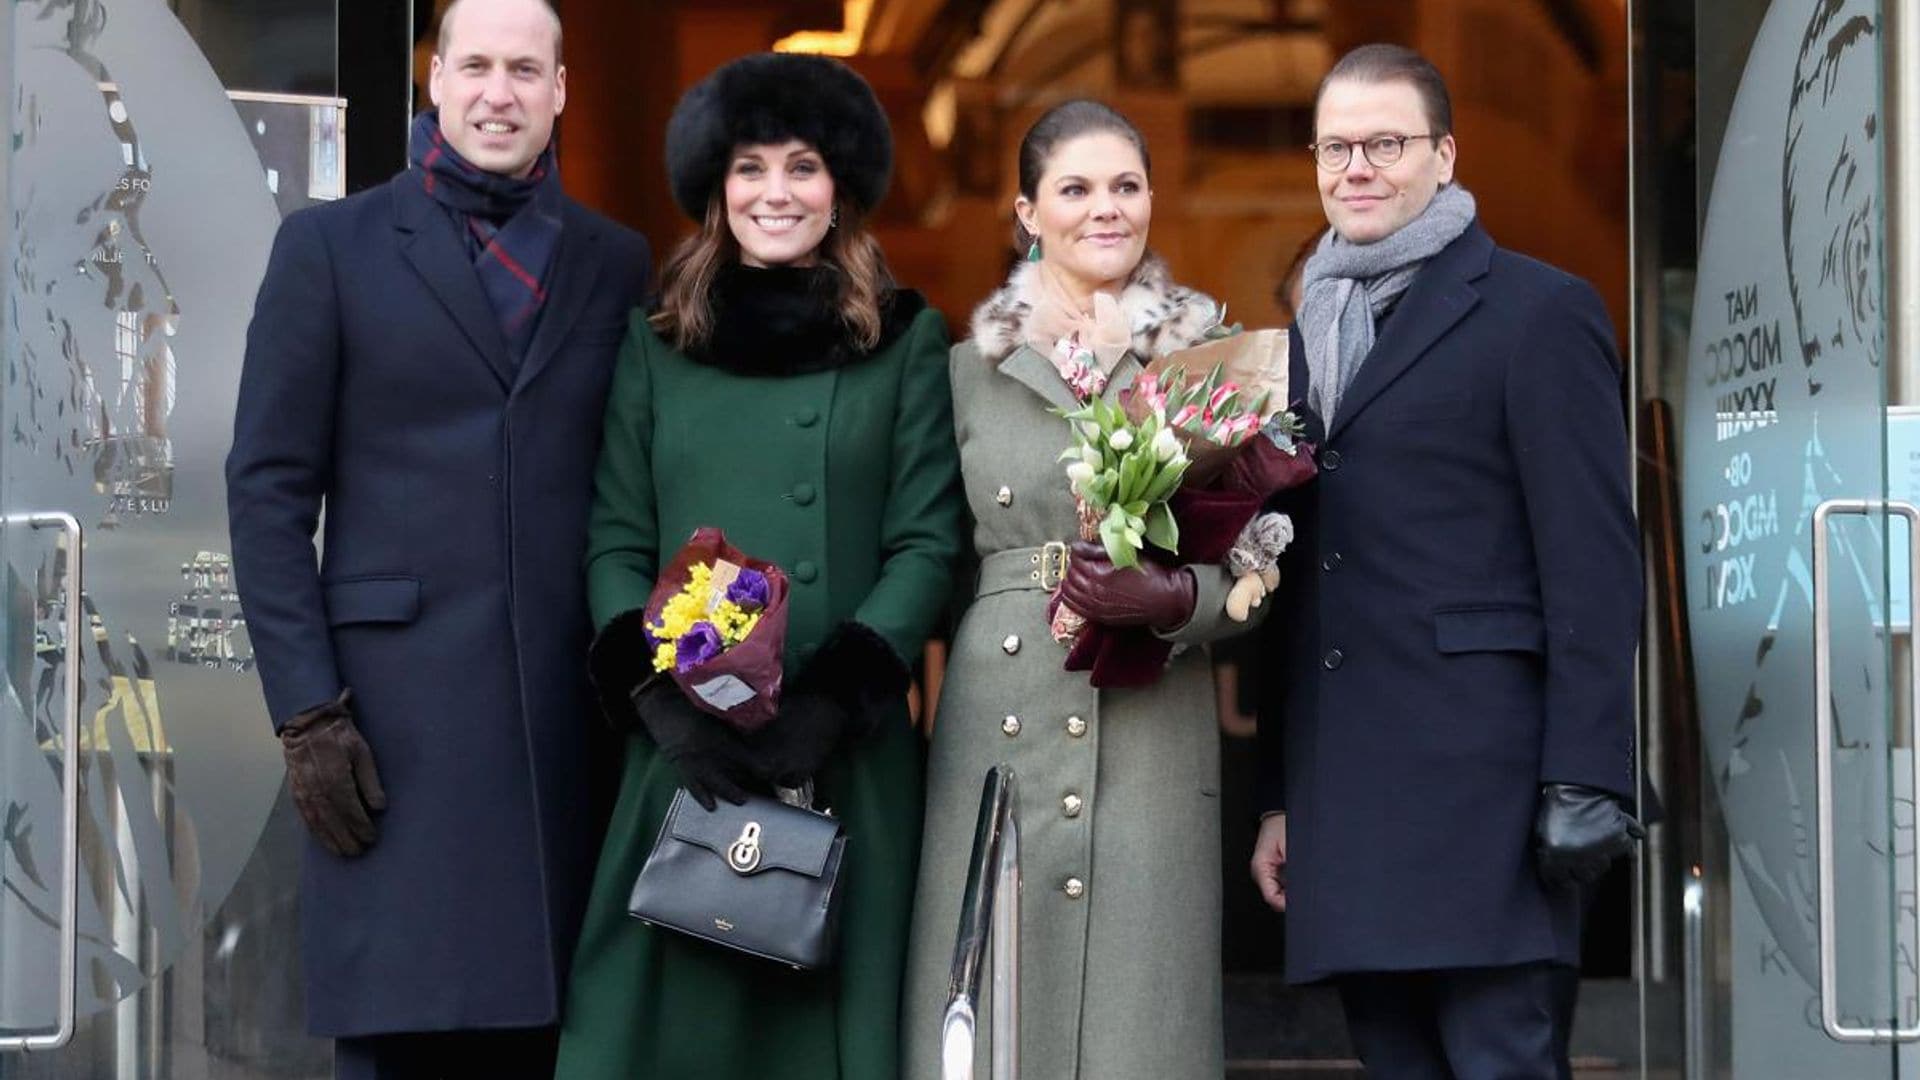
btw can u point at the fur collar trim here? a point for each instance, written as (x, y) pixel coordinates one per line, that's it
(776, 321)
(1165, 317)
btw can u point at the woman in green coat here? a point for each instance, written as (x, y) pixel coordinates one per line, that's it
(785, 392)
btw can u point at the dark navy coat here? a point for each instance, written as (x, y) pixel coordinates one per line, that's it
(1458, 620)
(449, 596)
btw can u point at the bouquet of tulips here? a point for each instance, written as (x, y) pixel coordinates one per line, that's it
(1200, 441)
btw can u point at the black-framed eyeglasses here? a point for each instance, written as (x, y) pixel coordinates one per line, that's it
(1381, 151)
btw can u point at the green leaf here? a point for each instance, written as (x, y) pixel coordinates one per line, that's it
(1166, 481)
(1113, 538)
(1136, 508)
(1162, 531)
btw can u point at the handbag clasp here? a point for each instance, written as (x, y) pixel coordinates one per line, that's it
(744, 854)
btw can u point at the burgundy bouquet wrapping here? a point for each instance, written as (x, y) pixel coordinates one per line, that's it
(739, 683)
(1211, 518)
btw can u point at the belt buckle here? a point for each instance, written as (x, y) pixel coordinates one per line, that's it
(1053, 565)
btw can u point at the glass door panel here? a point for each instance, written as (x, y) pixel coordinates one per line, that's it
(1799, 654)
(144, 180)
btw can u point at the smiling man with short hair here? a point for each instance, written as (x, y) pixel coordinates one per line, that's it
(1448, 758)
(428, 363)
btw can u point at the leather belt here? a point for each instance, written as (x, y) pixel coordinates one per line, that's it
(1041, 568)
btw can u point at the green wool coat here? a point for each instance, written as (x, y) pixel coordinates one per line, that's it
(848, 479)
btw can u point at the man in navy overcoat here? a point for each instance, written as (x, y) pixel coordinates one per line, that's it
(1448, 759)
(428, 362)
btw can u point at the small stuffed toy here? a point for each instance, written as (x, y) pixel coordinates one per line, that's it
(1254, 561)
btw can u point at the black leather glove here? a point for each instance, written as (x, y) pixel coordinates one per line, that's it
(838, 697)
(330, 769)
(711, 757)
(1151, 595)
(1578, 832)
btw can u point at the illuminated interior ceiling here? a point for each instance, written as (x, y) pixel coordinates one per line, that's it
(1232, 52)
(845, 41)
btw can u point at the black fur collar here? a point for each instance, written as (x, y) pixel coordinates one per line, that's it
(782, 321)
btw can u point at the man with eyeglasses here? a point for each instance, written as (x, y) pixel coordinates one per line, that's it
(1447, 760)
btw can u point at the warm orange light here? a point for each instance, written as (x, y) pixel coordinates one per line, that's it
(842, 42)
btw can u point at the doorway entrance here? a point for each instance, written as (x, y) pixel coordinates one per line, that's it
(1777, 484)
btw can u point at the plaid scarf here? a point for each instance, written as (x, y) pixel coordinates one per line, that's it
(511, 226)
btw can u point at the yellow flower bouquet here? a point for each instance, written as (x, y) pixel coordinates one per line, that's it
(717, 625)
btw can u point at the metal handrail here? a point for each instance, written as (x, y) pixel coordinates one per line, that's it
(990, 909)
(68, 985)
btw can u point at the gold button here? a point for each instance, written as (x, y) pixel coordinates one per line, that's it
(1011, 725)
(1070, 805)
(1004, 496)
(1076, 727)
(1074, 888)
(1011, 644)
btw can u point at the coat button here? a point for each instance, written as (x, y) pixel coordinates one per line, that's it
(1074, 888)
(803, 494)
(1331, 562)
(807, 417)
(1011, 725)
(1330, 461)
(1004, 496)
(1076, 727)
(1071, 805)
(1333, 659)
(1011, 644)
(805, 572)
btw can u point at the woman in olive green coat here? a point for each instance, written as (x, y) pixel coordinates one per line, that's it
(787, 394)
(1117, 790)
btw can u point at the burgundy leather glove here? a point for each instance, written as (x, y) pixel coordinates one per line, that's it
(1149, 595)
(330, 768)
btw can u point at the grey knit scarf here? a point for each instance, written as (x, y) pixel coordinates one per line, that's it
(1346, 287)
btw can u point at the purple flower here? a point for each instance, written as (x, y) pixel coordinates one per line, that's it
(749, 590)
(698, 645)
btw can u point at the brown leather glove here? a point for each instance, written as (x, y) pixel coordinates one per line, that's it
(330, 768)
(1149, 595)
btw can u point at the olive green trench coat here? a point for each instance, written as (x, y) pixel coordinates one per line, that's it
(846, 478)
(1118, 790)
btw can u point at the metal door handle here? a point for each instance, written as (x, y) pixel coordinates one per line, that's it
(1823, 751)
(1693, 903)
(69, 984)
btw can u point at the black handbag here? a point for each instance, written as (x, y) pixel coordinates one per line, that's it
(762, 878)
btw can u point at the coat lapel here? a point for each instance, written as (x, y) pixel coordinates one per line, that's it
(1440, 296)
(576, 265)
(1027, 367)
(440, 258)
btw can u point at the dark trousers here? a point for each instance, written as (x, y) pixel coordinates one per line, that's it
(509, 1054)
(1506, 1023)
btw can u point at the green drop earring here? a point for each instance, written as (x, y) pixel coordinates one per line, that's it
(1033, 251)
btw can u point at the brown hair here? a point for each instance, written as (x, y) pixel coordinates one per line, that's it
(1382, 63)
(1066, 121)
(685, 314)
(446, 31)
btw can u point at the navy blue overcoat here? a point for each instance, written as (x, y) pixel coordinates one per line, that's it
(449, 597)
(1458, 620)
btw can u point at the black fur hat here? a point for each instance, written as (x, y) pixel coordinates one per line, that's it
(770, 98)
